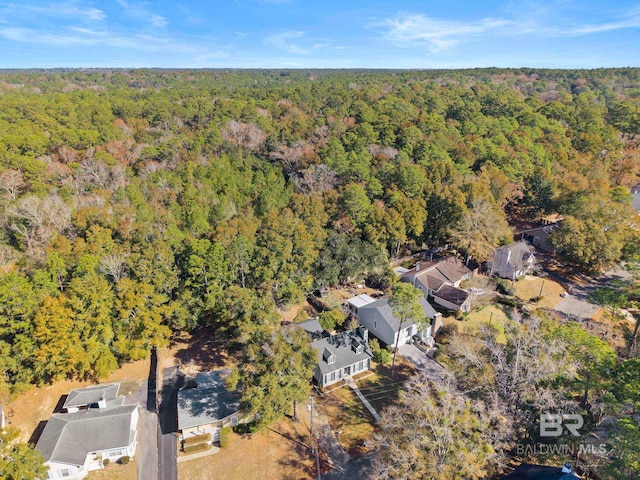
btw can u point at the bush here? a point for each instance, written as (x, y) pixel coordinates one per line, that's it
(201, 447)
(301, 316)
(504, 286)
(383, 356)
(105, 462)
(507, 301)
(124, 460)
(449, 329)
(536, 299)
(197, 439)
(224, 437)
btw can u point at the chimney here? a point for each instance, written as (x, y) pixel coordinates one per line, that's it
(417, 266)
(102, 403)
(363, 332)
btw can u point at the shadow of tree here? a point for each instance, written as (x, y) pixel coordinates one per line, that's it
(203, 349)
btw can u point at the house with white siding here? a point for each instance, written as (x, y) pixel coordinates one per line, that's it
(96, 426)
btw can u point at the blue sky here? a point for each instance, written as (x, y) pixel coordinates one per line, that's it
(317, 33)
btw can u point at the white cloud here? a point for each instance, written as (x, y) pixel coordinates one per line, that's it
(283, 42)
(139, 10)
(56, 10)
(417, 29)
(85, 37)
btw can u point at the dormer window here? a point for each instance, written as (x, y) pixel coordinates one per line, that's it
(328, 357)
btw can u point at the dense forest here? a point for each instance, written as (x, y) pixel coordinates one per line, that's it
(135, 204)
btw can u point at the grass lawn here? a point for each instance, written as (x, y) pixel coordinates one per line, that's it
(494, 314)
(115, 471)
(281, 452)
(348, 415)
(529, 287)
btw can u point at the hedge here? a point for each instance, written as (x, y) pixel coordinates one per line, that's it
(201, 447)
(224, 437)
(198, 439)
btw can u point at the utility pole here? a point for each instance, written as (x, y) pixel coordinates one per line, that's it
(314, 448)
(540, 295)
(395, 350)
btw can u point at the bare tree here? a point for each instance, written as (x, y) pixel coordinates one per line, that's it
(12, 182)
(114, 266)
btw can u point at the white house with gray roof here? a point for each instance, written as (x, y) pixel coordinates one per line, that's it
(378, 317)
(208, 407)
(97, 396)
(341, 355)
(73, 444)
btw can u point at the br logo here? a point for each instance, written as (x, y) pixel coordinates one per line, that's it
(555, 424)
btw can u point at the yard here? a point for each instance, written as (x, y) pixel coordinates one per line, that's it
(494, 315)
(531, 287)
(349, 416)
(281, 452)
(115, 471)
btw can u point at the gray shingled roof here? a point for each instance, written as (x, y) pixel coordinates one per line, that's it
(209, 402)
(69, 437)
(340, 346)
(386, 312)
(81, 397)
(448, 269)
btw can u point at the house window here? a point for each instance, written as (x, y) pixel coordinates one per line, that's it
(375, 324)
(333, 376)
(115, 453)
(340, 374)
(361, 365)
(65, 472)
(326, 379)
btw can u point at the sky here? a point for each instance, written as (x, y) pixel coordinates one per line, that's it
(319, 34)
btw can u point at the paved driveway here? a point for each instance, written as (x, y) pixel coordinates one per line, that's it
(421, 360)
(172, 380)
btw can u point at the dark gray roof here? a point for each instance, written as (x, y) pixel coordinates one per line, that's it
(340, 345)
(528, 471)
(386, 312)
(209, 402)
(312, 327)
(69, 437)
(81, 397)
(452, 294)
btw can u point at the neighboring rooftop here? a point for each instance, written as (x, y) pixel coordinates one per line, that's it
(528, 471)
(90, 396)
(69, 437)
(448, 270)
(361, 300)
(452, 295)
(635, 191)
(344, 347)
(386, 311)
(209, 402)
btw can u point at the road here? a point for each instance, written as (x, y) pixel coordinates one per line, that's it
(172, 380)
(147, 449)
